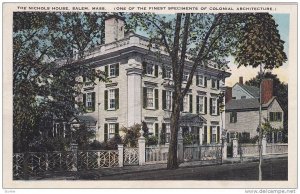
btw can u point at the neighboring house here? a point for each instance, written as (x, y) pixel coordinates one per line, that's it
(141, 89)
(242, 109)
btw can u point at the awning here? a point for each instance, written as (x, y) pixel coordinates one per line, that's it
(191, 120)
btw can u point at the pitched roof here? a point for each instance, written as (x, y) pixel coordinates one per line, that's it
(246, 104)
(252, 90)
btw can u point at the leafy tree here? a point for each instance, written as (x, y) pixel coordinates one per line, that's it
(131, 135)
(206, 38)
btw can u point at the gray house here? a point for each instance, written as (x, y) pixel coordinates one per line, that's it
(242, 109)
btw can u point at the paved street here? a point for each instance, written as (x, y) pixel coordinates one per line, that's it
(273, 169)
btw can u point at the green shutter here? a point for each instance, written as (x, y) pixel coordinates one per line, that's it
(105, 99)
(210, 106)
(205, 105)
(156, 129)
(84, 101)
(197, 105)
(205, 135)
(106, 70)
(156, 98)
(144, 97)
(156, 70)
(218, 134)
(117, 69)
(218, 84)
(205, 81)
(144, 67)
(235, 117)
(117, 98)
(218, 108)
(163, 71)
(163, 130)
(210, 140)
(191, 103)
(197, 80)
(164, 99)
(116, 129)
(105, 132)
(93, 101)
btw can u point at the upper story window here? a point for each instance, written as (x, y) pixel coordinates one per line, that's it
(200, 104)
(150, 98)
(214, 106)
(149, 69)
(89, 101)
(214, 84)
(275, 116)
(185, 76)
(111, 99)
(112, 70)
(168, 73)
(233, 117)
(169, 95)
(200, 80)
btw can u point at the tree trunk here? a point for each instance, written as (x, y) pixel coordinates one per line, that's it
(172, 156)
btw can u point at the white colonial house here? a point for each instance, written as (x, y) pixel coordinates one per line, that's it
(242, 109)
(141, 89)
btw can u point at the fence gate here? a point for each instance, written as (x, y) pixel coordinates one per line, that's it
(211, 154)
(131, 156)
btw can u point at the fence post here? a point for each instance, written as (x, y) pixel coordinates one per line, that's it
(121, 155)
(224, 153)
(141, 142)
(74, 148)
(264, 145)
(235, 148)
(180, 151)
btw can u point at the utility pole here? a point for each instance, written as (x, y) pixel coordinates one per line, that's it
(259, 125)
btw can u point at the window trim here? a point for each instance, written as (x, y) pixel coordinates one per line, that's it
(170, 100)
(109, 99)
(216, 106)
(215, 81)
(203, 104)
(153, 70)
(203, 80)
(153, 98)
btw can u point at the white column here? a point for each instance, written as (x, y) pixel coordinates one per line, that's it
(121, 152)
(134, 92)
(142, 149)
(200, 135)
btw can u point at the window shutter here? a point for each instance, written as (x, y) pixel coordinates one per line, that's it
(156, 129)
(156, 98)
(191, 103)
(197, 80)
(117, 98)
(218, 108)
(218, 134)
(164, 99)
(205, 81)
(205, 135)
(116, 129)
(105, 99)
(144, 67)
(210, 106)
(145, 97)
(156, 70)
(218, 84)
(197, 104)
(105, 132)
(231, 117)
(205, 105)
(93, 101)
(163, 72)
(163, 130)
(106, 70)
(117, 69)
(210, 135)
(235, 117)
(84, 100)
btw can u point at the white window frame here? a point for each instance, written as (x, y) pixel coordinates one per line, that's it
(169, 100)
(168, 132)
(215, 81)
(111, 99)
(201, 102)
(111, 130)
(214, 134)
(89, 100)
(214, 106)
(149, 97)
(201, 83)
(112, 67)
(186, 103)
(150, 66)
(150, 126)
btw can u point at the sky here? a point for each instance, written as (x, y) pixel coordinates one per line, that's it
(248, 72)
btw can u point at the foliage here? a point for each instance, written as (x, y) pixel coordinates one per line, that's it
(280, 90)
(145, 129)
(163, 136)
(151, 140)
(188, 139)
(131, 135)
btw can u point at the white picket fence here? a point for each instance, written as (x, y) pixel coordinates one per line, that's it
(156, 154)
(277, 148)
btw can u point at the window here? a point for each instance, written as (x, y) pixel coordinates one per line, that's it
(150, 127)
(168, 132)
(243, 97)
(185, 76)
(112, 100)
(168, 74)
(200, 80)
(111, 130)
(186, 103)
(89, 101)
(275, 116)
(169, 95)
(149, 69)
(201, 104)
(112, 70)
(214, 134)
(214, 84)
(214, 106)
(233, 117)
(150, 98)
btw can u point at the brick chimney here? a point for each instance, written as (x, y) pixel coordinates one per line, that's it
(228, 94)
(241, 81)
(267, 90)
(114, 28)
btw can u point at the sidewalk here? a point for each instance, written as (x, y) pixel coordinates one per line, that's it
(105, 172)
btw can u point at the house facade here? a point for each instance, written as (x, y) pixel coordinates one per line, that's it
(141, 89)
(242, 109)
